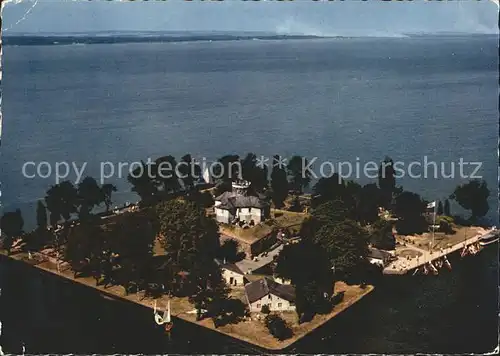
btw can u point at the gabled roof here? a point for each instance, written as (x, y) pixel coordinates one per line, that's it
(230, 267)
(259, 289)
(230, 200)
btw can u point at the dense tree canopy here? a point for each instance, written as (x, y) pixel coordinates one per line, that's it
(62, 201)
(298, 177)
(346, 244)
(251, 172)
(12, 224)
(279, 182)
(143, 183)
(473, 196)
(381, 235)
(409, 208)
(41, 216)
(386, 181)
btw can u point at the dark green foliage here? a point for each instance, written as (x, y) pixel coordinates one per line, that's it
(360, 203)
(447, 211)
(265, 309)
(445, 226)
(279, 182)
(278, 327)
(41, 216)
(165, 175)
(62, 201)
(187, 234)
(409, 208)
(346, 244)
(298, 177)
(229, 251)
(190, 172)
(90, 195)
(143, 183)
(330, 212)
(381, 236)
(386, 182)
(229, 169)
(314, 285)
(440, 209)
(473, 196)
(12, 224)
(256, 175)
(107, 191)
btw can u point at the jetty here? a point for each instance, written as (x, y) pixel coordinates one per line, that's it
(413, 257)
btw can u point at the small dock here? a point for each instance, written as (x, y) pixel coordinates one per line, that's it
(417, 257)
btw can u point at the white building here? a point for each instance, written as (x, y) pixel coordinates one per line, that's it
(233, 276)
(279, 297)
(236, 205)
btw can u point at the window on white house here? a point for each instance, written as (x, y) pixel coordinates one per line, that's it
(258, 306)
(279, 305)
(292, 304)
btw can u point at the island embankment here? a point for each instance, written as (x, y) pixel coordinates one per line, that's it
(249, 335)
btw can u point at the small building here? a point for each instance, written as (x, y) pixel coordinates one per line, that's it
(278, 297)
(236, 205)
(379, 257)
(232, 274)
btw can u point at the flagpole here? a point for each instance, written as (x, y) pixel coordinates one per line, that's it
(434, 224)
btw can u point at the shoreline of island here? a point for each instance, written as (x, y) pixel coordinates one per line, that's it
(49, 269)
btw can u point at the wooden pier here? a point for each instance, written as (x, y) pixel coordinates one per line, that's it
(404, 264)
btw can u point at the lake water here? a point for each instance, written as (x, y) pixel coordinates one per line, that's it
(335, 99)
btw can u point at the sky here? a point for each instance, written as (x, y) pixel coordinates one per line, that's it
(306, 17)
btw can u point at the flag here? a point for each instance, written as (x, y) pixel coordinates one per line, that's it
(431, 205)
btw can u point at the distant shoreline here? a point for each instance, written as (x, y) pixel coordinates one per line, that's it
(20, 39)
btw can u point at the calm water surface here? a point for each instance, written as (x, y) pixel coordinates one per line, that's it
(338, 100)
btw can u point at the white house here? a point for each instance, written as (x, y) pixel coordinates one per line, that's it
(236, 205)
(279, 297)
(232, 274)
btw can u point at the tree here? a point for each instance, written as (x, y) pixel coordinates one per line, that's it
(473, 196)
(329, 189)
(381, 235)
(82, 241)
(190, 172)
(90, 195)
(12, 224)
(229, 251)
(279, 182)
(278, 327)
(299, 177)
(107, 191)
(386, 181)
(440, 209)
(131, 239)
(228, 169)
(409, 207)
(447, 211)
(346, 244)
(143, 183)
(367, 209)
(330, 212)
(165, 174)
(314, 285)
(41, 216)
(187, 234)
(251, 172)
(62, 201)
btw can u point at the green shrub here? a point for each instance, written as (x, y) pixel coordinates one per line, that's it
(278, 327)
